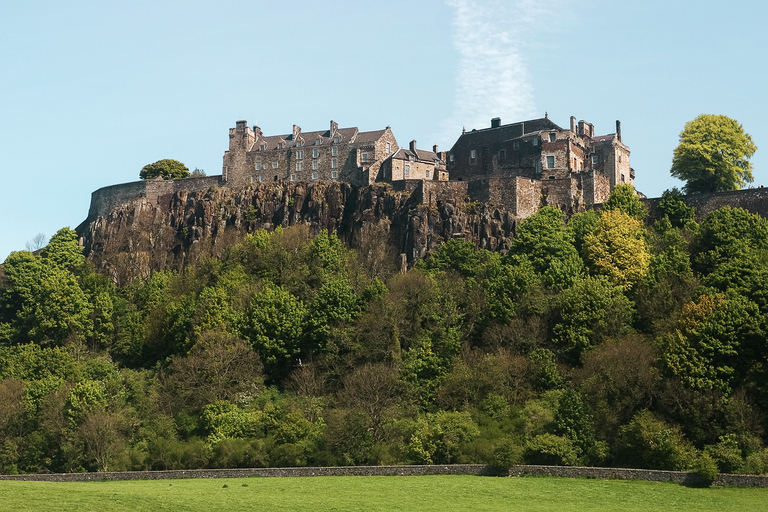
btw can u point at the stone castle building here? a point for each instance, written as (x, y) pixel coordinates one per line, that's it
(345, 154)
(520, 166)
(542, 162)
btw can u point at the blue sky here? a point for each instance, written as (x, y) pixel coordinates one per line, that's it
(91, 91)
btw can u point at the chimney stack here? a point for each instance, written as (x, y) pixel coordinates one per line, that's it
(618, 130)
(573, 125)
(296, 131)
(413, 145)
(495, 122)
(434, 149)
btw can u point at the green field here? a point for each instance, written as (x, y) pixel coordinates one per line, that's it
(438, 493)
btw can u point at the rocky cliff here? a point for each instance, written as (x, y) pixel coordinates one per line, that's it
(167, 231)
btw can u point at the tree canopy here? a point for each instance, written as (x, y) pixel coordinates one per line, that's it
(713, 155)
(167, 169)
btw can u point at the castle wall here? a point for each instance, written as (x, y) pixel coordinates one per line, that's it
(105, 199)
(754, 200)
(560, 192)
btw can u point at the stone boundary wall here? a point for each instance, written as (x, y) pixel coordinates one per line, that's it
(649, 475)
(105, 199)
(754, 200)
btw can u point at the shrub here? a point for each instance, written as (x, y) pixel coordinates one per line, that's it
(507, 454)
(706, 467)
(551, 450)
(756, 463)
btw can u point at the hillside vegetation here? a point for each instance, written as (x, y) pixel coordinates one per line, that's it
(601, 341)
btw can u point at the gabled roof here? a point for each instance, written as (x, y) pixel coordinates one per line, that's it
(602, 138)
(489, 136)
(347, 135)
(420, 155)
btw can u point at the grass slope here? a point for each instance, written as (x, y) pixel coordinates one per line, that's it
(426, 493)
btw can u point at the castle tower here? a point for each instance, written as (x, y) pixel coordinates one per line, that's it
(241, 139)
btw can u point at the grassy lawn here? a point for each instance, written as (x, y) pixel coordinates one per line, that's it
(423, 493)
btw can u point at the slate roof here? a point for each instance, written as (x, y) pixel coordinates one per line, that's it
(420, 154)
(347, 135)
(490, 136)
(601, 138)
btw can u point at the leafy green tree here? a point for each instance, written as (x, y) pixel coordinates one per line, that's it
(580, 225)
(717, 341)
(713, 155)
(624, 198)
(590, 311)
(458, 255)
(167, 169)
(276, 328)
(543, 239)
(727, 234)
(616, 248)
(673, 205)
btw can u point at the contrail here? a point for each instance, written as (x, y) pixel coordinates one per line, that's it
(492, 79)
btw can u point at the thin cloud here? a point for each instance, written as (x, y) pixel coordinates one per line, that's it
(492, 78)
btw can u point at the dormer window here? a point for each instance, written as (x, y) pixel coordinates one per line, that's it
(263, 147)
(535, 141)
(298, 143)
(364, 157)
(279, 145)
(317, 142)
(472, 156)
(335, 140)
(552, 137)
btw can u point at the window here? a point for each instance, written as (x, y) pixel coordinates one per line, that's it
(550, 162)
(426, 174)
(263, 147)
(298, 143)
(299, 166)
(389, 147)
(334, 163)
(516, 144)
(552, 137)
(407, 170)
(258, 166)
(293, 177)
(502, 155)
(335, 140)
(450, 158)
(535, 141)
(280, 145)
(261, 178)
(472, 156)
(317, 142)
(594, 159)
(314, 165)
(334, 174)
(619, 158)
(622, 178)
(314, 175)
(334, 151)
(300, 154)
(315, 153)
(274, 164)
(364, 157)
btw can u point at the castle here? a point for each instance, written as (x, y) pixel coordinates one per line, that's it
(520, 166)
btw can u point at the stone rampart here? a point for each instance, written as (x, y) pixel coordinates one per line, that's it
(649, 475)
(105, 199)
(754, 200)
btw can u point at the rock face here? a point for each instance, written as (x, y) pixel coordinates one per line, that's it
(168, 231)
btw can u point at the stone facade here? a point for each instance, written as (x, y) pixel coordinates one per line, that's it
(414, 164)
(573, 167)
(344, 154)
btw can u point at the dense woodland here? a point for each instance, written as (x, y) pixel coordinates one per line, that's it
(602, 339)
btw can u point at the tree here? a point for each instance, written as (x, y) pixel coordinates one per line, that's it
(167, 169)
(713, 155)
(616, 248)
(625, 199)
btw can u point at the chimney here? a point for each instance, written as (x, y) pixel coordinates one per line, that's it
(334, 126)
(434, 149)
(618, 130)
(413, 146)
(573, 125)
(495, 122)
(296, 131)
(241, 125)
